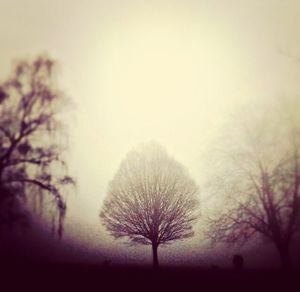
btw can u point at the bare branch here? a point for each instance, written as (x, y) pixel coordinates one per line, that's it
(151, 199)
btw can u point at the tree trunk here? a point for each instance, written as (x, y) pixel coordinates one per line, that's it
(284, 253)
(155, 256)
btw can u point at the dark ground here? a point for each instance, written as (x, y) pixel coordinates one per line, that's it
(37, 276)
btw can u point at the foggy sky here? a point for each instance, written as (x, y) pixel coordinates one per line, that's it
(169, 71)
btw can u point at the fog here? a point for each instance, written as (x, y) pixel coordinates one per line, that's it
(169, 71)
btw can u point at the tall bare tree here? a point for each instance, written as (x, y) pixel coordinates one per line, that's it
(31, 161)
(151, 200)
(259, 180)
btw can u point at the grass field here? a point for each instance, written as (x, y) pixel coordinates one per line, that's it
(25, 276)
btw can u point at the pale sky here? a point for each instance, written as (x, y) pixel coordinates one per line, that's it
(170, 71)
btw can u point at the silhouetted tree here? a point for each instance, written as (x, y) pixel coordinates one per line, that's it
(151, 200)
(260, 180)
(30, 149)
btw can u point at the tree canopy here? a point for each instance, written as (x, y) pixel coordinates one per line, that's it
(259, 177)
(31, 147)
(151, 200)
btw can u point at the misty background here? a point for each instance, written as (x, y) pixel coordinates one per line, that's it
(170, 71)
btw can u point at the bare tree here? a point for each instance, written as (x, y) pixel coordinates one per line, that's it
(151, 200)
(260, 181)
(31, 161)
